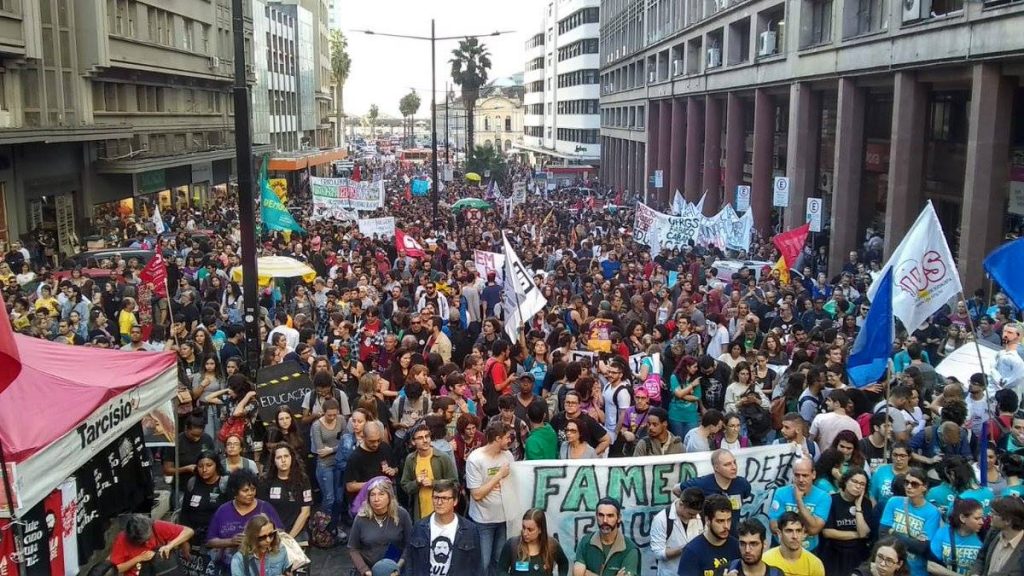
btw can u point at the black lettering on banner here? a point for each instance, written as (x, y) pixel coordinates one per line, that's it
(522, 277)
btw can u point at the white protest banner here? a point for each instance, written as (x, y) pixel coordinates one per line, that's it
(519, 192)
(679, 231)
(737, 229)
(487, 262)
(712, 231)
(331, 196)
(522, 298)
(645, 227)
(382, 227)
(569, 490)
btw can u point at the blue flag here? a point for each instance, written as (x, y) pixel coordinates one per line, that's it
(1004, 266)
(420, 187)
(873, 346)
(274, 213)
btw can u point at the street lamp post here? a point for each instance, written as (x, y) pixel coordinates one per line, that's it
(433, 38)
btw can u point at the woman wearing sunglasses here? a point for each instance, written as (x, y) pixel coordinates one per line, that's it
(912, 520)
(260, 553)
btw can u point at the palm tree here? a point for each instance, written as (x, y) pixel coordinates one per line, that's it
(341, 66)
(372, 117)
(470, 63)
(408, 106)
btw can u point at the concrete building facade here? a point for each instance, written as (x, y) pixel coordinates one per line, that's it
(561, 124)
(873, 106)
(499, 123)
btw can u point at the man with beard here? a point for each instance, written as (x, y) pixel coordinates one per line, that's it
(714, 377)
(751, 541)
(1009, 367)
(711, 553)
(443, 544)
(607, 552)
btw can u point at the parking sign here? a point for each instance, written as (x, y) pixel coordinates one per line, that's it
(742, 198)
(780, 192)
(814, 213)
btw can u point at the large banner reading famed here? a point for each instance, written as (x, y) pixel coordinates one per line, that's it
(332, 197)
(569, 490)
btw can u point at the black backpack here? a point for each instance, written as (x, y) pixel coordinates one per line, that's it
(491, 394)
(758, 421)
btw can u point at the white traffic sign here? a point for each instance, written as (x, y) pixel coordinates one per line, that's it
(659, 178)
(814, 208)
(780, 192)
(742, 198)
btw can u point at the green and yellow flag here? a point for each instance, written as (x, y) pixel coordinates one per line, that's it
(275, 214)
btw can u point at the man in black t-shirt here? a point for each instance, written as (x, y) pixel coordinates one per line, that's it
(190, 443)
(369, 460)
(592, 432)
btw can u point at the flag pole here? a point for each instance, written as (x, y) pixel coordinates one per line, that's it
(515, 292)
(982, 457)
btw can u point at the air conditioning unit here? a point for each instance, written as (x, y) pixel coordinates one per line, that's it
(766, 47)
(677, 67)
(916, 9)
(214, 63)
(714, 57)
(826, 182)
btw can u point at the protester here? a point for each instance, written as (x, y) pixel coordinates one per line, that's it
(534, 552)
(608, 551)
(674, 527)
(260, 550)
(711, 553)
(445, 544)
(145, 542)
(380, 533)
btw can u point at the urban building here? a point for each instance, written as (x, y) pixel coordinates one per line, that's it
(498, 115)
(110, 105)
(872, 106)
(451, 123)
(561, 122)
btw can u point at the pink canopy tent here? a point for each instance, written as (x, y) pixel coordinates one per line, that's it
(66, 403)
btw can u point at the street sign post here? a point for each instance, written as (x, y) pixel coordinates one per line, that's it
(742, 198)
(780, 192)
(814, 209)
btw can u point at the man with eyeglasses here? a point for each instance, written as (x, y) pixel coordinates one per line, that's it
(432, 297)
(422, 468)
(444, 544)
(750, 562)
(591, 431)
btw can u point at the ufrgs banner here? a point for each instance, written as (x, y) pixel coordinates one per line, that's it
(727, 229)
(334, 196)
(382, 227)
(569, 490)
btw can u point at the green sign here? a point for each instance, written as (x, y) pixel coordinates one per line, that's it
(152, 181)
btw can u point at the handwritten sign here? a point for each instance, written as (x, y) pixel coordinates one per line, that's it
(284, 384)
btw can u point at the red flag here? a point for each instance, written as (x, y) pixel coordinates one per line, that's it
(618, 198)
(408, 245)
(408, 192)
(791, 242)
(357, 174)
(10, 359)
(155, 273)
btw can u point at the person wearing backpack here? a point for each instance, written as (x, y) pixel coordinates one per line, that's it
(811, 401)
(825, 427)
(497, 381)
(674, 527)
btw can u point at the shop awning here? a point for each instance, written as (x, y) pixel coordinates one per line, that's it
(556, 153)
(291, 162)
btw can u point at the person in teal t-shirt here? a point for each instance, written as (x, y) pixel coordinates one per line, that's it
(880, 489)
(683, 413)
(913, 520)
(955, 547)
(959, 483)
(816, 500)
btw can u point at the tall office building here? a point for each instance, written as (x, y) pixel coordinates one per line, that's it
(871, 106)
(561, 124)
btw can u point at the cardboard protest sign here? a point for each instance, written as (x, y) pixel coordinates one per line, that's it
(281, 385)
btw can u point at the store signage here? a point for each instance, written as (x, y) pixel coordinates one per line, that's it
(149, 182)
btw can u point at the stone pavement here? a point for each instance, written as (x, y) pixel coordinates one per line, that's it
(333, 562)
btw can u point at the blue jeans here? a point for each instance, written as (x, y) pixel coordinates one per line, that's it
(679, 428)
(492, 538)
(329, 480)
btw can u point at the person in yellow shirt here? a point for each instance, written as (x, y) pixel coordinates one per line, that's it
(126, 319)
(47, 302)
(790, 556)
(422, 468)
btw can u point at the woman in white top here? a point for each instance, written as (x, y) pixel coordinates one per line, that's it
(734, 354)
(743, 389)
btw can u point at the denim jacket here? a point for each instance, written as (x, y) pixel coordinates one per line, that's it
(465, 550)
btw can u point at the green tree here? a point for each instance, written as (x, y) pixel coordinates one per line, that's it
(408, 106)
(470, 63)
(487, 159)
(372, 117)
(341, 66)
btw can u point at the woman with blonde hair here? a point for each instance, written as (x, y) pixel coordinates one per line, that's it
(380, 531)
(534, 552)
(260, 553)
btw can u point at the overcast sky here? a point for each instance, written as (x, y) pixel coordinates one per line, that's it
(384, 69)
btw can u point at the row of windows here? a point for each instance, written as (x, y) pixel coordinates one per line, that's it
(578, 135)
(162, 27)
(534, 131)
(535, 64)
(623, 117)
(162, 144)
(119, 97)
(537, 40)
(578, 77)
(578, 48)
(578, 18)
(495, 124)
(535, 109)
(577, 107)
(537, 86)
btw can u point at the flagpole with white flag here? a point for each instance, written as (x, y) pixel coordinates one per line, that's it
(925, 276)
(521, 289)
(158, 221)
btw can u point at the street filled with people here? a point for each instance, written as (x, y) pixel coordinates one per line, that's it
(425, 393)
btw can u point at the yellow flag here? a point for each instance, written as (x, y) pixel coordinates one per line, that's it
(782, 269)
(548, 218)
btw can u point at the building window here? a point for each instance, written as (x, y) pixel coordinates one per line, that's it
(943, 7)
(578, 77)
(9, 6)
(508, 123)
(863, 17)
(819, 15)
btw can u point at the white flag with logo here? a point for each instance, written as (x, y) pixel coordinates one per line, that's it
(522, 297)
(158, 221)
(678, 204)
(924, 274)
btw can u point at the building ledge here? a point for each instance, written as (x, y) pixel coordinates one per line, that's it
(138, 165)
(292, 161)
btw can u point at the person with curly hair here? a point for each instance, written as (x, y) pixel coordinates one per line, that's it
(286, 487)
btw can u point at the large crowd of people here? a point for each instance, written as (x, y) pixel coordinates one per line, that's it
(421, 403)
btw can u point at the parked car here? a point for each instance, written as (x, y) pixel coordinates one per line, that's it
(95, 258)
